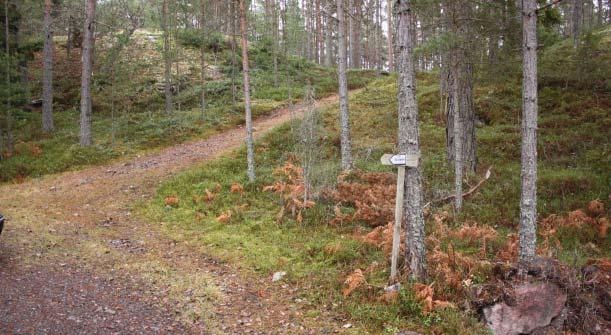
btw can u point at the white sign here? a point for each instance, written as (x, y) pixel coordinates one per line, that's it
(400, 160)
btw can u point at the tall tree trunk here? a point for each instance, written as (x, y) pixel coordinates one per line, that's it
(457, 132)
(70, 38)
(47, 75)
(346, 145)
(250, 155)
(88, 32)
(166, 58)
(329, 39)
(9, 116)
(409, 139)
(356, 51)
(528, 199)
(202, 26)
(234, 45)
(275, 44)
(320, 48)
(391, 49)
(577, 21)
(599, 13)
(461, 97)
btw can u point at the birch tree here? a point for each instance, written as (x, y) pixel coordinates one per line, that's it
(346, 145)
(47, 75)
(409, 138)
(88, 31)
(250, 150)
(528, 199)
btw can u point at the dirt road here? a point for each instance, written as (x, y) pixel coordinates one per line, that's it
(75, 260)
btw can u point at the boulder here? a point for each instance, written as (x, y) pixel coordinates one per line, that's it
(536, 305)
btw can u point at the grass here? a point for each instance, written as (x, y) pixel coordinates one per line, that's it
(573, 169)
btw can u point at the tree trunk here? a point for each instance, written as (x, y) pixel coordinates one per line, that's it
(528, 199)
(47, 75)
(275, 45)
(346, 145)
(9, 117)
(329, 40)
(167, 60)
(391, 49)
(409, 142)
(250, 157)
(88, 32)
(234, 45)
(461, 97)
(457, 133)
(202, 27)
(356, 52)
(577, 21)
(320, 40)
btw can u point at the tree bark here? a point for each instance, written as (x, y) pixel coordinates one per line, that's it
(391, 49)
(88, 32)
(528, 199)
(167, 60)
(346, 145)
(409, 139)
(47, 75)
(250, 152)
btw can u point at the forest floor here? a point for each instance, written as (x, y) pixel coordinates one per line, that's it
(75, 259)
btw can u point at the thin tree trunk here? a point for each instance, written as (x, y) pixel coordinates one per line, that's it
(70, 37)
(47, 75)
(329, 40)
(88, 31)
(457, 131)
(391, 49)
(599, 13)
(409, 139)
(203, 59)
(320, 40)
(167, 60)
(528, 199)
(9, 116)
(577, 21)
(346, 145)
(460, 97)
(234, 90)
(250, 155)
(274, 11)
(356, 52)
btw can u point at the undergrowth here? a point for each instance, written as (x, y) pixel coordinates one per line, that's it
(333, 248)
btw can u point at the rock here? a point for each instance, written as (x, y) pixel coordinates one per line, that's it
(278, 276)
(536, 304)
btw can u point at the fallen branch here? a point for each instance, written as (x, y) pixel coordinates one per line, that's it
(466, 194)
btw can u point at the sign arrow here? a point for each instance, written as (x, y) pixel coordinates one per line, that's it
(400, 160)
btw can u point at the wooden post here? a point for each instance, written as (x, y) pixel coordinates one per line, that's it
(396, 232)
(401, 162)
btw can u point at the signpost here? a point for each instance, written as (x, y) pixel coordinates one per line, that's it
(401, 161)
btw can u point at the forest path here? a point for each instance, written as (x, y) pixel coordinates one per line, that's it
(75, 260)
